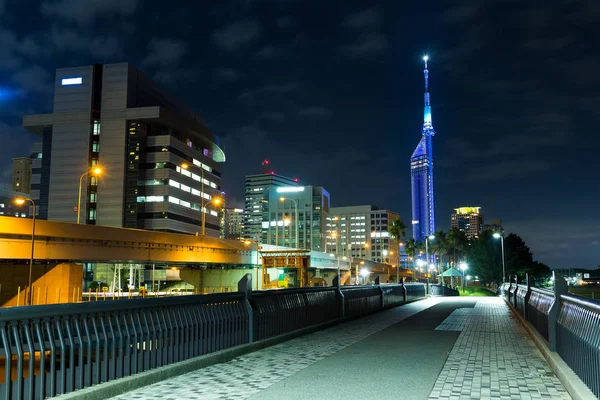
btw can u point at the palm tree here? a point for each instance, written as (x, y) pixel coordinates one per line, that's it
(398, 229)
(439, 246)
(411, 248)
(457, 241)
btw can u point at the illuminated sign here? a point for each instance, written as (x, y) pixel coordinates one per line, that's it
(290, 189)
(71, 81)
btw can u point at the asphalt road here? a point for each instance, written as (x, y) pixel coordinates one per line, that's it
(402, 361)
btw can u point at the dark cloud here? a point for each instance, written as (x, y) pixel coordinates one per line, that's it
(285, 22)
(84, 12)
(269, 92)
(266, 52)
(369, 18)
(315, 112)
(368, 45)
(164, 52)
(68, 40)
(227, 74)
(237, 34)
(34, 79)
(273, 116)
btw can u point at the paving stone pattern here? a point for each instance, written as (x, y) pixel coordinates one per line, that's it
(247, 375)
(493, 358)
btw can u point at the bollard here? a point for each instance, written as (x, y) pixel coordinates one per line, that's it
(403, 288)
(560, 287)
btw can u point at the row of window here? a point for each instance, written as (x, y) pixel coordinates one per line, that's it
(188, 189)
(195, 177)
(175, 200)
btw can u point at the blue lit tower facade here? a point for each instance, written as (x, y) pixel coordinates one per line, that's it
(421, 171)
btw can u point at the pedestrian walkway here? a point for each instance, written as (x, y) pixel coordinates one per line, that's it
(441, 348)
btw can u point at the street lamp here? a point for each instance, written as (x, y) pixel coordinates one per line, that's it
(420, 264)
(21, 201)
(95, 172)
(283, 199)
(501, 237)
(463, 267)
(250, 241)
(427, 239)
(364, 272)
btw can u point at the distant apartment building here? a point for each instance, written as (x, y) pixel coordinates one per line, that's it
(8, 206)
(363, 232)
(256, 192)
(160, 163)
(21, 177)
(495, 226)
(296, 217)
(469, 220)
(233, 223)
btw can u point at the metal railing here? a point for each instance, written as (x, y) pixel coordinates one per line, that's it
(54, 349)
(570, 324)
(442, 290)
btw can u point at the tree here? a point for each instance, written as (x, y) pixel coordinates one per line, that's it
(439, 245)
(485, 258)
(411, 248)
(398, 229)
(457, 242)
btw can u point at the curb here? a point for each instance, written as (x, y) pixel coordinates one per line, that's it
(123, 385)
(574, 385)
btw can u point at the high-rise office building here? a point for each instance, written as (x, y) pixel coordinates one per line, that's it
(234, 223)
(421, 170)
(469, 220)
(256, 188)
(363, 232)
(495, 226)
(160, 163)
(21, 177)
(296, 216)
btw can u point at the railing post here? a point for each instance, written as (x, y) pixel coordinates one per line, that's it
(245, 286)
(530, 284)
(403, 289)
(560, 287)
(378, 283)
(516, 290)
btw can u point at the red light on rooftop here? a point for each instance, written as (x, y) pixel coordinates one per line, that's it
(272, 172)
(295, 179)
(266, 161)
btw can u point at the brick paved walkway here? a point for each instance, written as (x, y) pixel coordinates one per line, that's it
(494, 358)
(486, 355)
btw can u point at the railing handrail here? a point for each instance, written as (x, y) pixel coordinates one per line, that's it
(66, 309)
(590, 304)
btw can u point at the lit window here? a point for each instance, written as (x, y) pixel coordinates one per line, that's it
(185, 188)
(174, 183)
(173, 200)
(92, 214)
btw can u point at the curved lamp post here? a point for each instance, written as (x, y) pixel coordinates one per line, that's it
(501, 237)
(96, 171)
(21, 201)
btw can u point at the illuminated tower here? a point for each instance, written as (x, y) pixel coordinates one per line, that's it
(421, 171)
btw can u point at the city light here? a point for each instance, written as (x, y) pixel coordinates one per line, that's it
(431, 237)
(97, 171)
(290, 189)
(463, 266)
(425, 58)
(71, 81)
(364, 272)
(497, 235)
(420, 263)
(20, 201)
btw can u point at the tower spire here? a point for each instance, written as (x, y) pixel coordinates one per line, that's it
(427, 124)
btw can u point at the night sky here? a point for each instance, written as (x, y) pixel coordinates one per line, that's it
(332, 93)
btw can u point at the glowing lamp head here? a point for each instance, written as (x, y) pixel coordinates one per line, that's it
(425, 58)
(217, 201)
(282, 199)
(497, 235)
(364, 272)
(20, 201)
(184, 166)
(431, 237)
(247, 242)
(464, 266)
(97, 171)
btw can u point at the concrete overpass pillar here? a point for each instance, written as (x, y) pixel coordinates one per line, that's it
(51, 283)
(213, 280)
